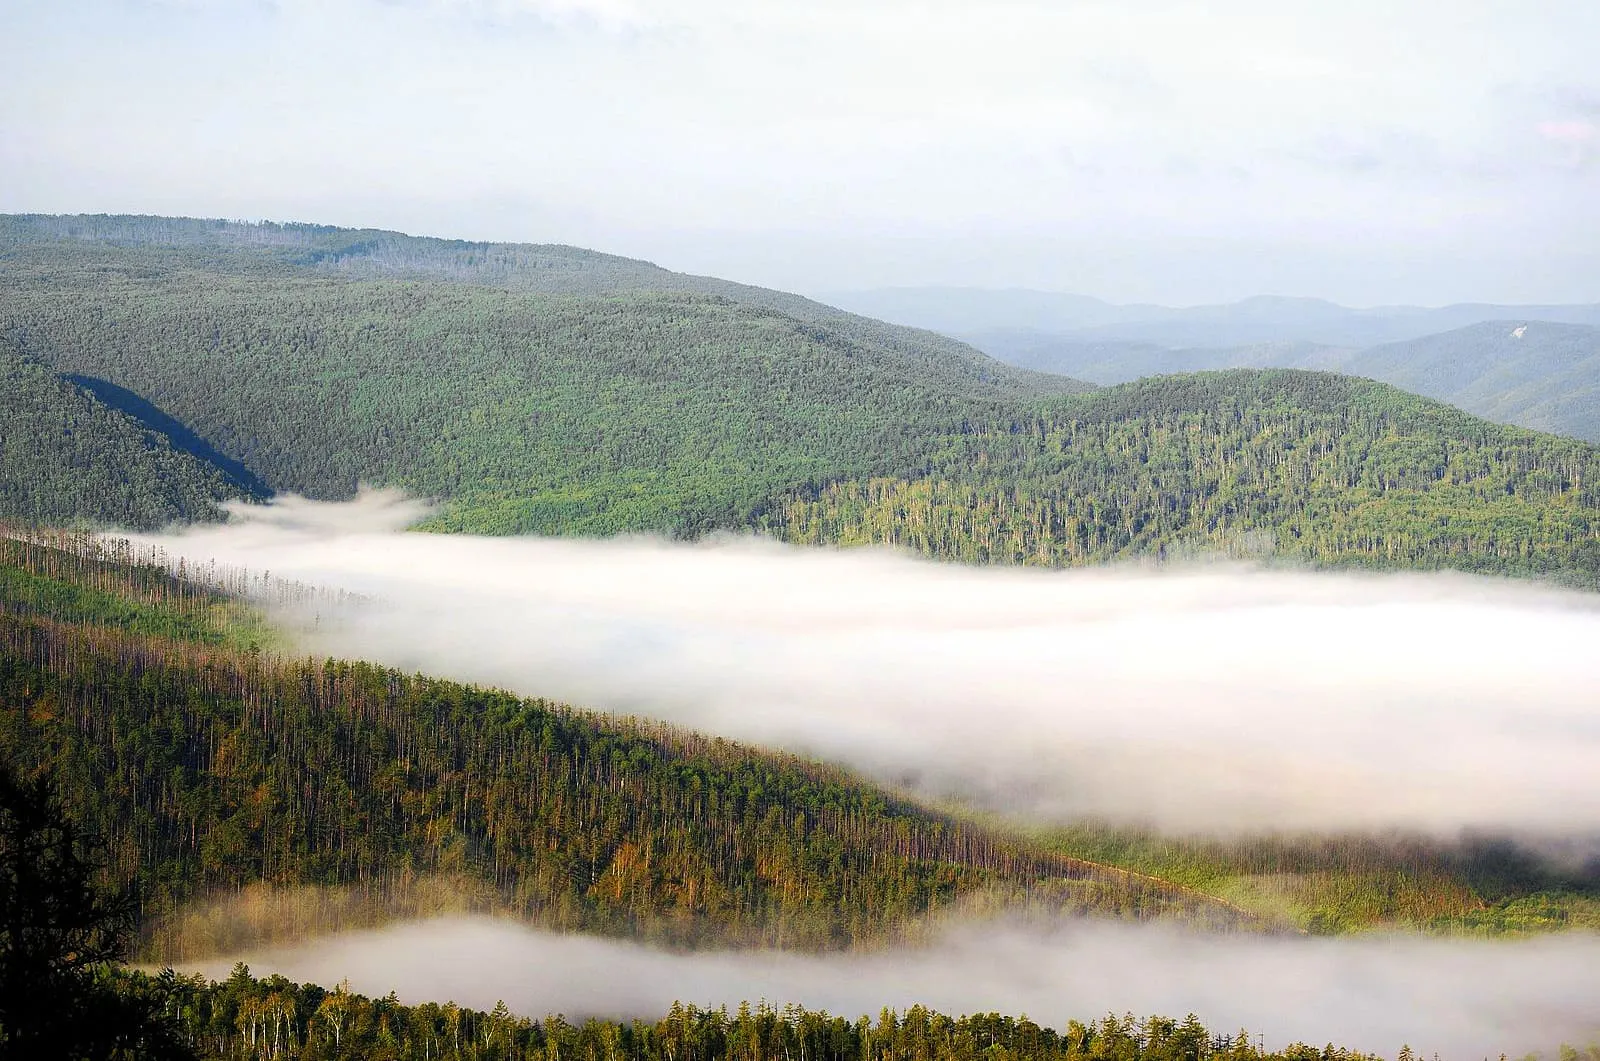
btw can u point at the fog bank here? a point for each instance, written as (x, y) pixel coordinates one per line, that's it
(1214, 698)
(1462, 999)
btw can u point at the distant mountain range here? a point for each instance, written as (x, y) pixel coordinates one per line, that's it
(1533, 366)
(1531, 373)
(1265, 319)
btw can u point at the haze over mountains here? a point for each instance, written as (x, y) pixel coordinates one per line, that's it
(1264, 319)
(1533, 366)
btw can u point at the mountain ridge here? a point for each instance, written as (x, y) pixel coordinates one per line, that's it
(1536, 374)
(529, 267)
(1261, 318)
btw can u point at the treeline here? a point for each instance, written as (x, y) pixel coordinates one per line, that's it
(79, 577)
(208, 769)
(1305, 466)
(273, 1018)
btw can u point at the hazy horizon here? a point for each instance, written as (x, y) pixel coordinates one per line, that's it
(1163, 152)
(821, 295)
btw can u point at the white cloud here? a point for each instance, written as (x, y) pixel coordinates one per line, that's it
(1212, 700)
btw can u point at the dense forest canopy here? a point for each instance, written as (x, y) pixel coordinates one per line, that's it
(1311, 466)
(210, 766)
(619, 408)
(552, 390)
(329, 794)
(67, 455)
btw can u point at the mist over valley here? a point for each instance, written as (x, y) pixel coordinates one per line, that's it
(1211, 699)
(599, 530)
(1457, 998)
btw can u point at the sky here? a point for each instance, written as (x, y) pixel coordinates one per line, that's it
(1162, 150)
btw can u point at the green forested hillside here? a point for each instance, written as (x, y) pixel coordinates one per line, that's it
(371, 254)
(635, 409)
(1323, 468)
(66, 456)
(1533, 373)
(310, 1023)
(359, 793)
(257, 798)
(1331, 884)
(558, 391)
(548, 269)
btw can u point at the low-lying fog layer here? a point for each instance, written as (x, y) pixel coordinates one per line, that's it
(1462, 999)
(1216, 698)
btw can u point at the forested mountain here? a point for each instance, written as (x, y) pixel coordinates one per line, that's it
(1328, 469)
(550, 390)
(345, 793)
(635, 408)
(67, 455)
(271, 1016)
(548, 269)
(1531, 373)
(1077, 319)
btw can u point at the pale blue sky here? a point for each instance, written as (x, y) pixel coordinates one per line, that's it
(1365, 151)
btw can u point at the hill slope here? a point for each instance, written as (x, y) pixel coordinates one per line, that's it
(261, 799)
(675, 410)
(358, 793)
(1531, 373)
(1312, 466)
(635, 408)
(66, 455)
(548, 269)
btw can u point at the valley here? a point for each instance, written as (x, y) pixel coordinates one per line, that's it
(607, 530)
(309, 715)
